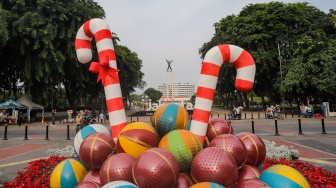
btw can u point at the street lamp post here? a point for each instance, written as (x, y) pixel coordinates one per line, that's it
(283, 102)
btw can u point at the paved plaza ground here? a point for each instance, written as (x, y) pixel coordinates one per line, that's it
(313, 146)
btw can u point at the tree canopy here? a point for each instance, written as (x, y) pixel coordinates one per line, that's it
(37, 49)
(296, 36)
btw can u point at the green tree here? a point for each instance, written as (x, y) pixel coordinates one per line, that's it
(153, 94)
(261, 29)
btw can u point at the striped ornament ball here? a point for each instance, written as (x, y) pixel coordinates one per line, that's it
(86, 131)
(279, 176)
(169, 117)
(67, 174)
(207, 185)
(184, 145)
(119, 184)
(136, 138)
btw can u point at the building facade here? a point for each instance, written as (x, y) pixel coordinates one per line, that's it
(177, 92)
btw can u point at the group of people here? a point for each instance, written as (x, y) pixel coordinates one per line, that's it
(6, 118)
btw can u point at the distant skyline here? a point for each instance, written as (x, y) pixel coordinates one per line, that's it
(174, 30)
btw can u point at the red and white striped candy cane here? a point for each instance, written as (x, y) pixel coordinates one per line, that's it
(213, 60)
(106, 69)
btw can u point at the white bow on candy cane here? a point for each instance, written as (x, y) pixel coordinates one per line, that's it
(106, 68)
(213, 60)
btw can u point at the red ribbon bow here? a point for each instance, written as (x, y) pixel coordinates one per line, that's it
(103, 70)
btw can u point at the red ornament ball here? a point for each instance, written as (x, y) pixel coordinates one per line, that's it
(233, 145)
(217, 126)
(255, 147)
(156, 168)
(117, 167)
(91, 176)
(248, 172)
(184, 180)
(88, 185)
(95, 149)
(251, 184)
(214, 165)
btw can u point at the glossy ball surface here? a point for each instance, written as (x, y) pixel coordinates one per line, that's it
(170, 117)
(233, 145)
(136, 138)
(117, 167)
(156, 168)
(95, 149)
(255, 147)
(217, 126)
(214, 165)
(184, 145)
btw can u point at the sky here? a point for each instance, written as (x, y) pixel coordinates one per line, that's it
(174, 30)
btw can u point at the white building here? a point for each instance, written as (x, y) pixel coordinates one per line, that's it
(178, 92)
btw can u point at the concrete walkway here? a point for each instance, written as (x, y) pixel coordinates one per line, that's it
(314, 147)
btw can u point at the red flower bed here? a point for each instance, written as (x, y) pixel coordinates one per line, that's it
(317, 177)
(37, 173)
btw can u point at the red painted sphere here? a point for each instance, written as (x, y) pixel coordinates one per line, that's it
(217, 126)
(88, 185)
(184, 180)
(214, 165)
(251, 184)
(233, 145)
(255, 147)
(95, 149)
(117, 167)
(91, 176)
(248, 172)
(156, 168)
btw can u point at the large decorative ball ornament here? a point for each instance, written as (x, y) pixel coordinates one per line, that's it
(117, 167)
(253, 183)
(248, 172)
(119, 184)
(86, 131)
(169, 117)
(156, 168)
(233, 145)
(91, 176)
(255, 147)
(279, 176)
(88, 185)
(217, 126)
(214, 165)
(67, 173)
(184, 180)
(136, 138)
(95, 149)
(184, 145)
(207, 185)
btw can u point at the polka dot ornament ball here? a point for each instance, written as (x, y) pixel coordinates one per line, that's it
(170, 117)
(184, 145)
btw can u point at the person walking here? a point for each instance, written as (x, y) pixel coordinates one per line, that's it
(101, 116)
(20, 118)
(53, 114)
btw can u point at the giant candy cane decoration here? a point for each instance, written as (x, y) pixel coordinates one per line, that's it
(106, 69)
(213, 60)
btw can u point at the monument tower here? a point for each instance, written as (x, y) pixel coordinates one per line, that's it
(169, 83)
